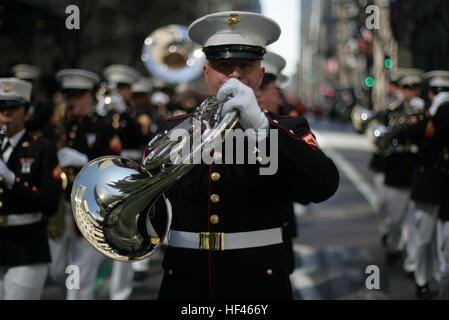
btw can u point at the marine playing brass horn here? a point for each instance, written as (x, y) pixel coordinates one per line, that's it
(171, 56)
(120, 206)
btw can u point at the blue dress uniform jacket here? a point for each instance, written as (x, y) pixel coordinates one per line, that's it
(400, 164)
(428, 185)
(36, 189)
(90, 135)
(236, 198)
(437, 139)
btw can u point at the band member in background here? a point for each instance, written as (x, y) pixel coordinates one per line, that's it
(124, 119)
(399, 168)
(129, 131)
(429, 186)
(30, 185)
(146, 112)
(147, 117)
(41, 108)
(377, 162)
(81, 137)
(270, 99)
(232, 202)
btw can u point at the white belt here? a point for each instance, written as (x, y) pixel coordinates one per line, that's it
(19, 219)
(217, 241)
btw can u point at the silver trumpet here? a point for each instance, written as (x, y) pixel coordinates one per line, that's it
(120, 206)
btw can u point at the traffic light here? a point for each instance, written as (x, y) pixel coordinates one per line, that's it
(370, 82)
(388, 62)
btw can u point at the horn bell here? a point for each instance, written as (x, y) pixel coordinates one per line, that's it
(114, 202)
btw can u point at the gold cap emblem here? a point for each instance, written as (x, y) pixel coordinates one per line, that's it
(233, 19)
(7, 88)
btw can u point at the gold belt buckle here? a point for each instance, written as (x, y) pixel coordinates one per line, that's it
(3, 221)
(213, 241)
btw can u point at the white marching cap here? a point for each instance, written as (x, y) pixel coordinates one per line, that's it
(77, 79)
(234, 28)
(273, 63)
(15, 89)
(411, 79)
(438, 78)
(26, 71)
(143, 85)
(119, 73)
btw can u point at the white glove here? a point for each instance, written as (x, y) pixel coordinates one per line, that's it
(69, 157)
(114, 102)
(242, 97)
(8, 175)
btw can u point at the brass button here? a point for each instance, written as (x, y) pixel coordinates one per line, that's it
(3, 220)
(17, 179)
(269, 272)
(70, 143)
(1, 204)
(74, 127)
(72, 135)
(215, 198)
(1, 178)
(115, 124)
(291, 131)
(275, 121)
(215, 176)
(218, 155)
(214, 219)
(26, 184)
(1, 190)
(170, 272)
(116, 117)
(34, 188)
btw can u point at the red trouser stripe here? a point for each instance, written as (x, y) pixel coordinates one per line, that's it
(208, 230)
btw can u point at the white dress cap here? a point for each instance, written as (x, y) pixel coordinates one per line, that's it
(411, 79)
(234, 27)
(77, 79)
(273, 63)
(144, 85)
(15, 89)
(396, 75)
(119, 73)
(438, 78)
(26, 71)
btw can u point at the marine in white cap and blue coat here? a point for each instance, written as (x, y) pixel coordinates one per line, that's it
(430, 186)
(81, 136)
(124, 119)
(232, 202)
(30, 185)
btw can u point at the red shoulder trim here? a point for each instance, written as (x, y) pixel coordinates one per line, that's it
(183, 116)
(290, 134)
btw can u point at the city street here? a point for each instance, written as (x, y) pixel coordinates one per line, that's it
(338, 239)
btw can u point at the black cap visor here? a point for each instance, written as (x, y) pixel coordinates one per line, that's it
(73, 93)
(234, 51)
(12, 104)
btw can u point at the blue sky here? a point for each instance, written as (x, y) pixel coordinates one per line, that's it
(286, 13)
